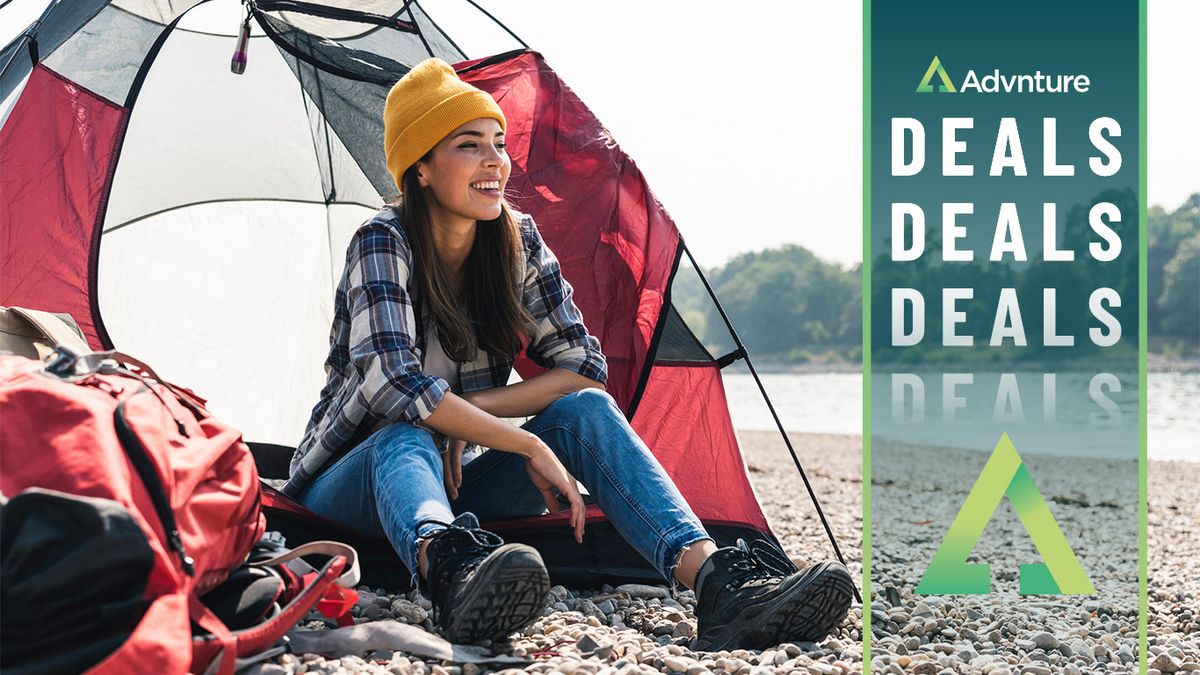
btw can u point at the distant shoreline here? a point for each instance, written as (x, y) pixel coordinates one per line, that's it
(765, 365)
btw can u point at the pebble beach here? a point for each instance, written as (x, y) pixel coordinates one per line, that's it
(648, 629)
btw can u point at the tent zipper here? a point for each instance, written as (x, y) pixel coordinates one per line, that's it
(145, 469)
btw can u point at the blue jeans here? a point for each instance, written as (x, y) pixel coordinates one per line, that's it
(391, 484)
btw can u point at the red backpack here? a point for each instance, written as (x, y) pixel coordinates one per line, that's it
(124, 502)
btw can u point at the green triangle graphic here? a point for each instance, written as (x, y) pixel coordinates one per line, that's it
(926, 85)
(1005, 475)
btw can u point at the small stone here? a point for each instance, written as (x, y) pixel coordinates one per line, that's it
(607, 607)
(407, 612)
(644, 591)
(683, 629)
(1036, 670)
(1045, 641)
(1166, 663)
(804, 647)
(678, 664)
(1082, 650)
(372, 612)
(925, 668)
(599, 649)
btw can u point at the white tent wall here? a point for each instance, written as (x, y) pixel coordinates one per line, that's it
(234, 300)
(221, 254)
(200, 133)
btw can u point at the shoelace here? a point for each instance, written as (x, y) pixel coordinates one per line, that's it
(758, 560)
(771, 557)
(460, 549)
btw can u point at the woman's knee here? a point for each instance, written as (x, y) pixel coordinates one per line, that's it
(403, 439)
(587, 403)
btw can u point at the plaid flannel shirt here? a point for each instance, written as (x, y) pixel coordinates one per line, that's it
(377, 343)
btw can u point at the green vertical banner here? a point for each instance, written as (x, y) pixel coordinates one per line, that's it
(1003, 236)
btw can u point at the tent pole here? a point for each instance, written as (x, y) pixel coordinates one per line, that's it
(498, 23)
(787, 441)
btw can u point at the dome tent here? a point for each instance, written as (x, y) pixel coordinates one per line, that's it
(199, 218)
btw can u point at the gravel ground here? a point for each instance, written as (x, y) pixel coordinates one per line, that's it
(635, 629)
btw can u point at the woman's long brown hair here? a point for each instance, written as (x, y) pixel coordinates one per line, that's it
(486, 311)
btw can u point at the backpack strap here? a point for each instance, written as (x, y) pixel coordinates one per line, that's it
(249, 645)
(215, 655)
(348, 579)
(261, 637)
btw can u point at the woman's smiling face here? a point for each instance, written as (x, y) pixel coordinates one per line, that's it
(465, 174)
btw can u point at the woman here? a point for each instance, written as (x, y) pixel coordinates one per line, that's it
(438, 295)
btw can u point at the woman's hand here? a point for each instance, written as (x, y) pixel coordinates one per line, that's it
(456, 418)
(547, 472)
(452, 466)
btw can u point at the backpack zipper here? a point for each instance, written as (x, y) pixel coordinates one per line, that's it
(145, 469)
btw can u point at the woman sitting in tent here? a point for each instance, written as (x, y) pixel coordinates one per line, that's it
(436, 299)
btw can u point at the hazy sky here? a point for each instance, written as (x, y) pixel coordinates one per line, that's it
(747, 121)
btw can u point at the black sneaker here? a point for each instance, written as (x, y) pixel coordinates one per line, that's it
(482, 588)
(753, 597)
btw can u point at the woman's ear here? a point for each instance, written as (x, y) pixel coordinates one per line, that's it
(421, 172)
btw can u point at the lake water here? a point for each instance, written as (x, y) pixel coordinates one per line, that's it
(832, 403)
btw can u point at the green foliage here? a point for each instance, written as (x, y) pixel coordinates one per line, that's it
(1173, 283)
(785, 302)
(1179, 304)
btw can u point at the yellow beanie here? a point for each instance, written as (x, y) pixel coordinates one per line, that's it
(423, 107)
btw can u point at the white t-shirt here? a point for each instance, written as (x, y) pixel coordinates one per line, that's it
(437, 362)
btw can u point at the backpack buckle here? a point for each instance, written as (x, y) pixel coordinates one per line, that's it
(62, 362)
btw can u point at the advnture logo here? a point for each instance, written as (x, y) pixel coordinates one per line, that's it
(936, 68)
(1005, 475)
(997, 82)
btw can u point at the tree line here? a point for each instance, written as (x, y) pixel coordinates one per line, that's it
(791, 307)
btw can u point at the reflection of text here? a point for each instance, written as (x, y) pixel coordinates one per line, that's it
(1006, 395)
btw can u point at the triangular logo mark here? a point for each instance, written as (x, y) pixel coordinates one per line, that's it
(927, 85)
(1005, 475)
